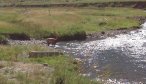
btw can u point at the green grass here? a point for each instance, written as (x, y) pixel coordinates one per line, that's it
(65, 69)
(43, 22)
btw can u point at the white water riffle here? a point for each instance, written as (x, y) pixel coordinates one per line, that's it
(124, 54)
(133, 45)
(134, 42)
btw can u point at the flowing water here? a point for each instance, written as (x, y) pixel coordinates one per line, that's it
(118, 60)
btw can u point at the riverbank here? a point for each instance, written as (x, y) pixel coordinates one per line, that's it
(112, 33)
(16, 68)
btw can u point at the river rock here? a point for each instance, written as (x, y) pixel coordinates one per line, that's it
(34, 54)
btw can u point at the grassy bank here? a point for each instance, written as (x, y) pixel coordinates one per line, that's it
(66, 71)
(65, 22)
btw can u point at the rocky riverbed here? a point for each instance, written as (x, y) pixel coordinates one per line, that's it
(27, 42)
(90, 37)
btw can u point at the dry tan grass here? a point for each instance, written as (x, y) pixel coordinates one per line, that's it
(25, 72)
(24, 67)
(54, 18)
(5, 24)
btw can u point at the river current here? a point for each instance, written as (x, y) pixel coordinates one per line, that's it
(115, 60)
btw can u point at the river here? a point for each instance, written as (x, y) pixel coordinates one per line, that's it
(114, 60)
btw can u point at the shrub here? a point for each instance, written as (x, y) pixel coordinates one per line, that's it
(3, 39)
(19, 36)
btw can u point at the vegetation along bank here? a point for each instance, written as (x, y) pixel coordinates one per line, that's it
(66, 23)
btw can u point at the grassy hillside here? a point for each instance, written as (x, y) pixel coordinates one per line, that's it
(43, 22)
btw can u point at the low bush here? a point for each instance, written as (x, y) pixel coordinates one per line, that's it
(3, 40)
(19, 36)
